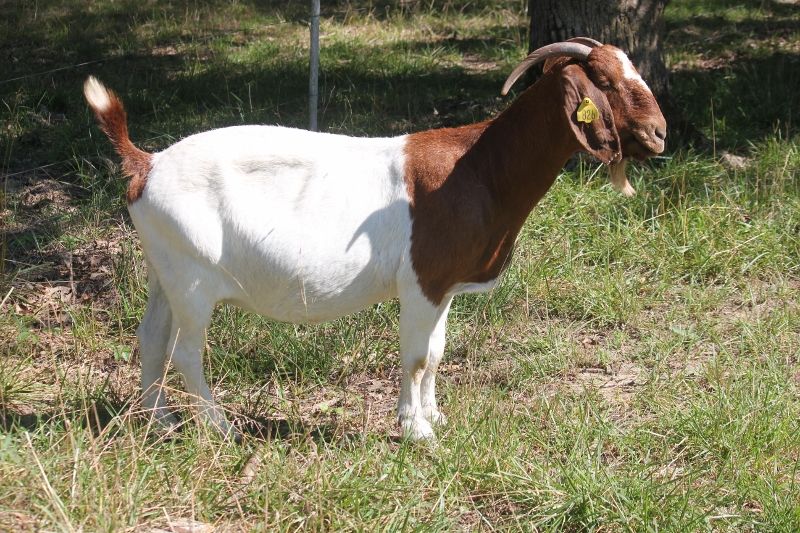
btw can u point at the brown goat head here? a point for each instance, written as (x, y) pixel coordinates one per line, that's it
(594, 68)
(599, 135)
(640, 123)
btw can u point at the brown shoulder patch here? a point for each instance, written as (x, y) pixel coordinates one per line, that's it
(462, 229)
(471, 188)
(445, 211)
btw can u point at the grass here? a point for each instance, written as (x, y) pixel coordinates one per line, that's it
(636, 369)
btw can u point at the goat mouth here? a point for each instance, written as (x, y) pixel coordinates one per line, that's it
(652, 144)
(641, 146)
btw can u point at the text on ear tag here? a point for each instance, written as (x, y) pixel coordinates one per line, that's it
(587, 111)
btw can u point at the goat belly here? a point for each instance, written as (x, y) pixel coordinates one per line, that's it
(463, 288)
(270, 225)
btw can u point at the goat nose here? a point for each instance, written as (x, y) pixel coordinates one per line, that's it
(660, 132)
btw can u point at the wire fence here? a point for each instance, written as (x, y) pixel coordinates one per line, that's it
(312, 23)
(215, 34)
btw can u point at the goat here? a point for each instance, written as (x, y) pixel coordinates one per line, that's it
(308, 227)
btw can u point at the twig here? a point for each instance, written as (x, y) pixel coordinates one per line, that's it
(74, 294)
(6, 298)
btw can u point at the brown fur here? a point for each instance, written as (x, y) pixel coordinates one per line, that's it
(136, 163)
(634, 108)
(472, 188)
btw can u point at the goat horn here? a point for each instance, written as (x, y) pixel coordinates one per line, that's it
(588, 41)
(574, 50)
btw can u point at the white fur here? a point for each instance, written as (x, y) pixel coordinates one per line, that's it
(629, 71)
(619, 180)
(297, 226)
(96, 94)
(465, 288)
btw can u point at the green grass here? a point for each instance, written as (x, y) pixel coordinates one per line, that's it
(636, 369)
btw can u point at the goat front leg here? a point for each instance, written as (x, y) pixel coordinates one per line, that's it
(430, 410)
(422, 338)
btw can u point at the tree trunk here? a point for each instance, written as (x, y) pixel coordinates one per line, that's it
(635, 26)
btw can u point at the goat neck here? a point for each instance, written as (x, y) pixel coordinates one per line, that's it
(530, 142)
(471, 189)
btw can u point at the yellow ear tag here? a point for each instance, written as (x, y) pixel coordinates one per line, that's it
(587, 111)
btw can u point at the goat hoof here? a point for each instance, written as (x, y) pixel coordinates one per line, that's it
(228, 432)
(164, 425)
(165, 420)
(434, 416)
(417, 429)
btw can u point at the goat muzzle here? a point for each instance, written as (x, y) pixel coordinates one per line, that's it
(652, 137)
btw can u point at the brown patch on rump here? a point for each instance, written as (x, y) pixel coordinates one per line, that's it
(136, 163)
(471, 188)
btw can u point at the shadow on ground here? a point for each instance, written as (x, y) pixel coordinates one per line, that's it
(102, 415)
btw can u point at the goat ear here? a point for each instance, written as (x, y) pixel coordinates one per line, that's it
(553, 62)
(599, 137)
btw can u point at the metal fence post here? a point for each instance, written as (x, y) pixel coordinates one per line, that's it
(313, 78)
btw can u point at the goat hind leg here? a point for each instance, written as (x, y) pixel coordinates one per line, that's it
(153, 334)
(187, 341)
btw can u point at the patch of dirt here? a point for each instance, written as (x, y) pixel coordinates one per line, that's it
(359, 404)
(35, 199)
(53, 362)
(496, 508)
(379, 394)
(469, 520)
(476, 64)
(18, 522)
(58, 269)
(764, 298)
(733, 161)
(724, 60)
(616, 383)
(182, 525)
(47, 277)
(44, 192)
(165, 50)
(714, 43)
(64, 279)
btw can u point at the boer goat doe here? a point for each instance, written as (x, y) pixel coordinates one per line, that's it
(308, 227)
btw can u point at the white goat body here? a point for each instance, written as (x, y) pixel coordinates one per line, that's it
(298, 226)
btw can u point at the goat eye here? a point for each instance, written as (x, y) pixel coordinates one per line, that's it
(603, 82)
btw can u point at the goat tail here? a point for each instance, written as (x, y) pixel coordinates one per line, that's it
(110, 114)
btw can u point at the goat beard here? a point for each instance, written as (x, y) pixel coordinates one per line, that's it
(618, 178)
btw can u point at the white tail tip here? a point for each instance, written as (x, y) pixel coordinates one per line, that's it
(96, 94)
